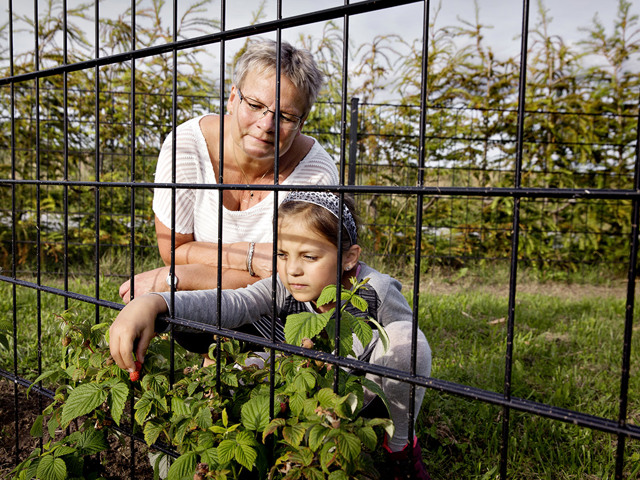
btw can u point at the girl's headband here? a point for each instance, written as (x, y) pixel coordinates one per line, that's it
(329, 202)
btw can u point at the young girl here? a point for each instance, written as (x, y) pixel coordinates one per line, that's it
(307, 262)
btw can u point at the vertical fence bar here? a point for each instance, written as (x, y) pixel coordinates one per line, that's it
(14, 239)
(353, 141)
(513, 280)
(132, 146)
(96, 191)
(628, 322)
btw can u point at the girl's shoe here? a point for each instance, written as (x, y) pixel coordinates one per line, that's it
(407, 464)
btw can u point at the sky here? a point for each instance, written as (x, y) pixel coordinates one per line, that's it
(503, 19)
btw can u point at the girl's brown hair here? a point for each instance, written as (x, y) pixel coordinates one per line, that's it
(321, 219)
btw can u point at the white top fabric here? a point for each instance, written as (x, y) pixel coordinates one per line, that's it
(196, 209)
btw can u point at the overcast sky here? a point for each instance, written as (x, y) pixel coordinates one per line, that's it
(503, 18)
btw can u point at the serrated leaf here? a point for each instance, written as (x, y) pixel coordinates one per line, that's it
(368, 437)
(304, 325)
(117, 399)
(272, 427)
(246, 456)
(82, 400)
(327, 398)
(204, 419)
(359, 302)
(51, 468)
(62, 450)
(328, 295)
(304, 380)
(184, 466)
(302, 456)
(142, 408)
(255, 413)
(296, 403)
(37, 429)
(92, 441)
(293, 434)
(362, 331)
(316, 436)
(226, 451)
(338, 475)
(179, 408)
(152, 431)
(52, 426)
(157, 382)
(346, 338)
(328, 455)
(349, 446)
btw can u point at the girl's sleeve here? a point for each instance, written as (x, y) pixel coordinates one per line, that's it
(239, 307)
(393, 305)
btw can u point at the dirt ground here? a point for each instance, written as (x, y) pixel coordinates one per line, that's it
(116, 459)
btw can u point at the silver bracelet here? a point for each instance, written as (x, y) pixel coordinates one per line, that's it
(252, 247)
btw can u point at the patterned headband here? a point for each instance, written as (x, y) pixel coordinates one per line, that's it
(331, 203)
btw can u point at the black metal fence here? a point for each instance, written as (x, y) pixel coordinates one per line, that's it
(425, 183)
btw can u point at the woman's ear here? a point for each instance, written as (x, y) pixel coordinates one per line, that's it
(231, 99)
(350, 257)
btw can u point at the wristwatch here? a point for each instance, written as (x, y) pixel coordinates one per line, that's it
(175, 280)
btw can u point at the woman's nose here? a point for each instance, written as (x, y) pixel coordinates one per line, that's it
(267, 121)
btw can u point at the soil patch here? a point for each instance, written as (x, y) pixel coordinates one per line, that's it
(116, 460)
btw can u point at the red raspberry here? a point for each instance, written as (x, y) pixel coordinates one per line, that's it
(135, 376)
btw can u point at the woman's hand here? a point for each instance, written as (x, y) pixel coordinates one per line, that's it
(262, 262)
(134, 327)
(146, 282)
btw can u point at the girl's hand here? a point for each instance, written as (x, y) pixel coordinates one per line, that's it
(134, 327)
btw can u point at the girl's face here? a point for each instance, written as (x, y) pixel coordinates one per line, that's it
(307, 261)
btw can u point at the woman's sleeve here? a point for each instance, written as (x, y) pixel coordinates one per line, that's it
(186, 172)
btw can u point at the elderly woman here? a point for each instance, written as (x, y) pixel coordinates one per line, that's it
(248, 157)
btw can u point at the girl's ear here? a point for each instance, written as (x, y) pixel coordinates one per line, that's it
(350, 257)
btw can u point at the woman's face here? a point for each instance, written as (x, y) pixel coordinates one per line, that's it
(307, 262)
(255, 133)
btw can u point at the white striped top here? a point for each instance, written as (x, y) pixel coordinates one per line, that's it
(196, 209)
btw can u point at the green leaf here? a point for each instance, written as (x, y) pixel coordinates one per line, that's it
(338, 475)
(359, 302)
(316, 436)
(272, 427)
(82, 400)
(349, 446)
(92, 441)
(203, 418)
(37, 427)
(226, 451)
(328, 295)
(179, 408)
(302, 456)
(152, 431)
(117, 399)
(304, 380)
(184, 466)
(245, 455)
(368, 437)
(304, 325)
(294, 434)
(296, 403)
(327, 398)
(384, 338)
(362, 331)
(255, 413)
(62, 450)
(51, 468)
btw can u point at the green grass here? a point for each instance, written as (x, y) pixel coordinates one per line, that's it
(567, 353)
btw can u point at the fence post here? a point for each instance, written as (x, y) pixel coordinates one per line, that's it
(353, 141)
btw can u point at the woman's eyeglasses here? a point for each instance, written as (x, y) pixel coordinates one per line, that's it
(288, 121)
